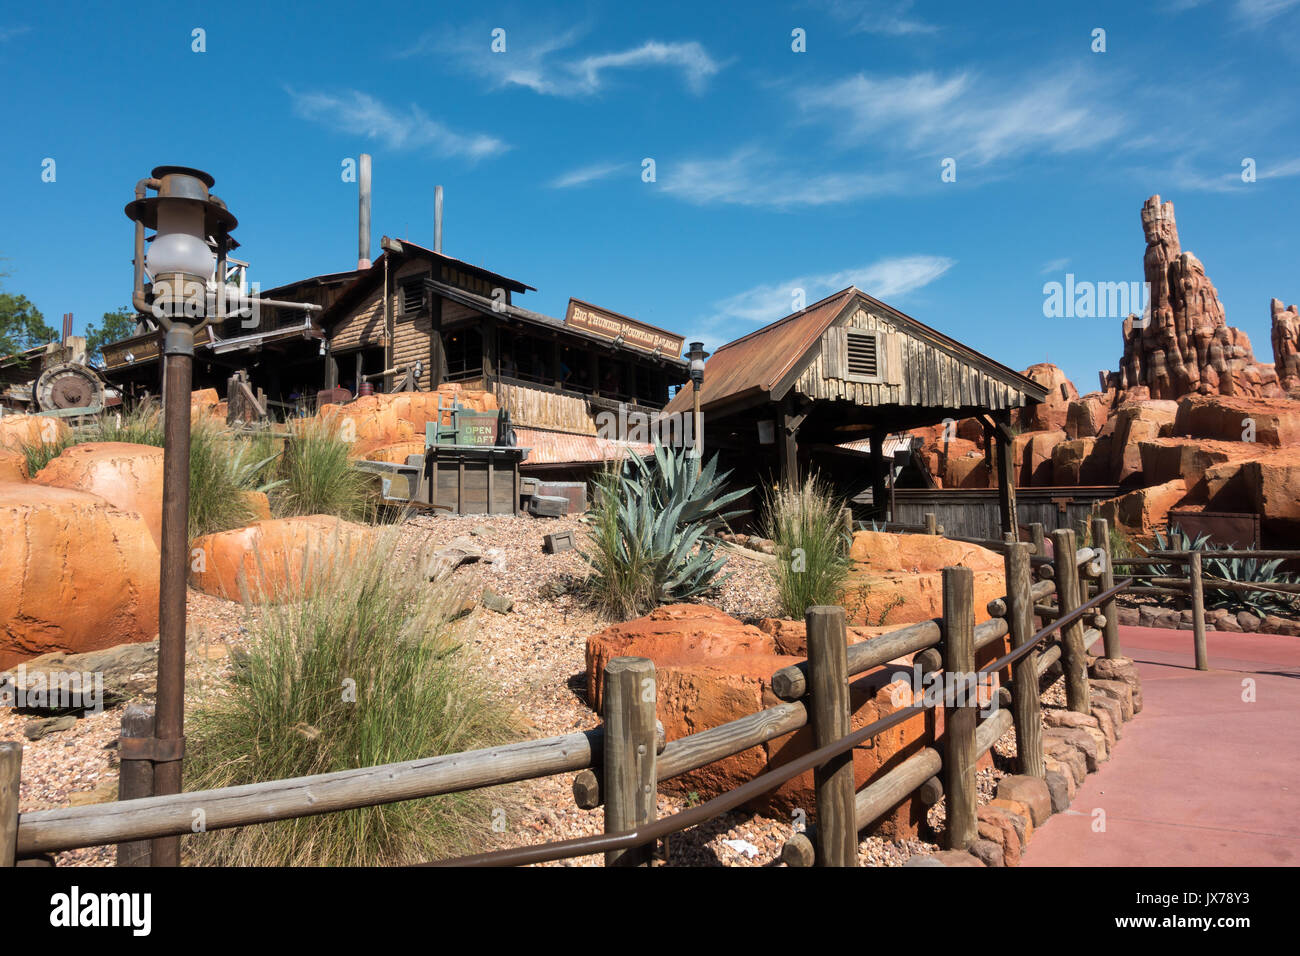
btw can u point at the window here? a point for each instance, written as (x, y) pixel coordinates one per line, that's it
(464, 348)
(412, 296)
(862, 355)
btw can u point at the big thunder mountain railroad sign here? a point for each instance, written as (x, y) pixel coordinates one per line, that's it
(610, 325)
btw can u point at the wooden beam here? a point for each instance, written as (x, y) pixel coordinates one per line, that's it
(1006, 484)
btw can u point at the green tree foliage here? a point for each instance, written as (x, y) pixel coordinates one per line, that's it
(22, 326)
(119, 324)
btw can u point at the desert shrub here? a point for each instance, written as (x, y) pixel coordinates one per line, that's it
(142, 425)
(812, 546)
(1243, 570)
(223, 466)
(319, 477)
(647, 540)
(38, 454)
(366, 670)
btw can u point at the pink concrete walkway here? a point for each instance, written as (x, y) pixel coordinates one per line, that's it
(1200, 777)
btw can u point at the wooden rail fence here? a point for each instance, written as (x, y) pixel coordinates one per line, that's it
(621, 764)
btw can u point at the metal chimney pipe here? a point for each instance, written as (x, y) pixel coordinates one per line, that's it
(437, 219)
(363, 216)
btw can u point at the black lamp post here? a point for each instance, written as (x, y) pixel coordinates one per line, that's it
(697, 355)
(193, 237)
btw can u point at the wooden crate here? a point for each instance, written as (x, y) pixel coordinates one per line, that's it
(473, 480)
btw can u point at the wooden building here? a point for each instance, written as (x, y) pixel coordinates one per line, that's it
(779, 401)
(442, 320)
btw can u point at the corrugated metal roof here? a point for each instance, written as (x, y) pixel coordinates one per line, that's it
(565, 448)
(755, 363)
(758, 361)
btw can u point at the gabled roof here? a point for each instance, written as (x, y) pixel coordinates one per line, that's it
(760, 366)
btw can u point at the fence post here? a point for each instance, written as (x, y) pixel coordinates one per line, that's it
(1110, 633)
(11, 768)
(135, 779)
(1025, 705)
(1073, 657)
(629, 764)
(1198, 610)
(959, 720)
(1036, 537)
(931, 523)
(828, 685)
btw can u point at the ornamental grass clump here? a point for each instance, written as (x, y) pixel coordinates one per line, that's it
(368, 669)
(812, 545)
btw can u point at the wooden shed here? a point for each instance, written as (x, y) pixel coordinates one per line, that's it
(849, 368)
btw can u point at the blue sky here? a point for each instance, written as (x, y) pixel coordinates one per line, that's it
(774, 169)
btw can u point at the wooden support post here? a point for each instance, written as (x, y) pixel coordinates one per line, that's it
(1198, 610)
(1073, 655)
(931, 523)
(11, 769)
(788, 448)
(1006, 480)
(135, 779)
(1110, 633)
(1025, 706)
(629, 765)
(1037, 539)
(878, 489)
(828, 682)
(959, 721)
(846, 520)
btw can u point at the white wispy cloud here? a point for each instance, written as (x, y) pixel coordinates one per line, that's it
(965, 115)
(8, 33)
(1054, 265)
(749, 176)
(534, 61)
(1257, 13)
(588, 174)
(888, 278)
(361, 114)
(1185, 176)
(883, 17)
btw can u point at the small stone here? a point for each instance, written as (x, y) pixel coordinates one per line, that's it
(996, 825)
(1069, 755)
(1248, 621)
(1060, 767)
(954, 858)
(1020, 818)
(923, 859)
(496, 602)
(1105, 722)
(36, 729)
(1080, 739)
(987, 852)
(1031, 792)
(1120, 691)
(1060, 717)
(1112, 706)
(1060, 792)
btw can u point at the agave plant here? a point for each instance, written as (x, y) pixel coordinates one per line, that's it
(1243, 570)
(650, 537)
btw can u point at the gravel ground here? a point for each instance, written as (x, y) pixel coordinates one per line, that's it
(536, 655)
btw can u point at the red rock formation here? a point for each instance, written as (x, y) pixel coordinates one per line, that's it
(1286, 345)
(76, 573)
(125, 475)
(1051, 413)
(1183, 344)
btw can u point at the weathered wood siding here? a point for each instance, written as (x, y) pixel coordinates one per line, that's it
(912, 372)
(539, 408)
(412, 334)
(974, 513)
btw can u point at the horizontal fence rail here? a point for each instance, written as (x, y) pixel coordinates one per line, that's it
(623, 771)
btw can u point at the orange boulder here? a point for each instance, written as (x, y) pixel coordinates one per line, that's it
(1143, 510)
(1273, 481)
(273, 559)
(1134, 423)
(710, 669)
(1164, 459)
(128, 476)
(898, 578)
(77, 574)
(1268, 421)
(13, 465)
(1052, 413)
(1085, 417)
(19, 430)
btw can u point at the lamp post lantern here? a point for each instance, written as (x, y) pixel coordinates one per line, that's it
(697, 355)
(193, 238)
